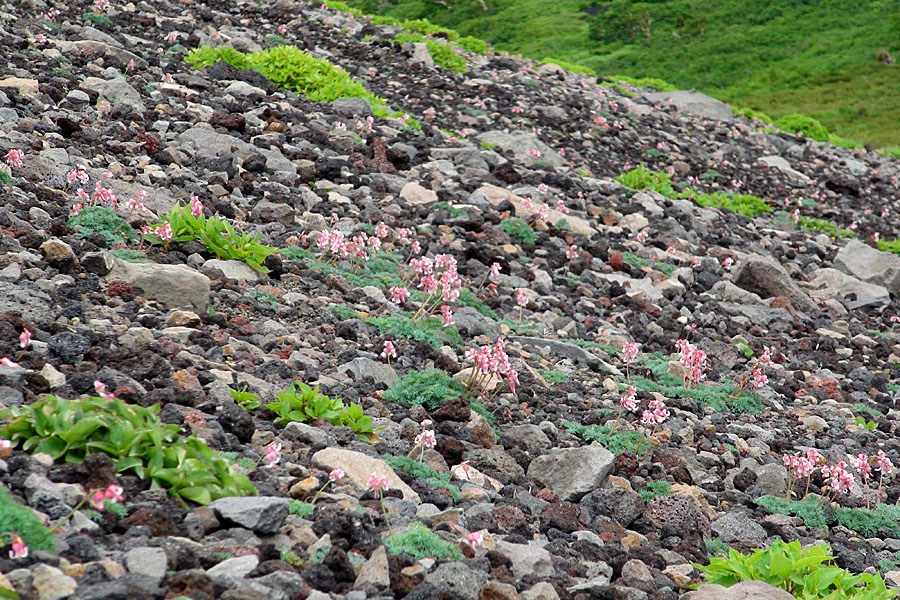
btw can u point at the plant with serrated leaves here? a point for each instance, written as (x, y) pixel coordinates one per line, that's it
(807, 573)
(133, 436)
(218, 235)
(17, 519)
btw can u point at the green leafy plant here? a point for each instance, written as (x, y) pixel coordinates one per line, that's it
(867, 522)
(719, 396)
(104, 222)
(130, 255)
(245, 399)
(92, 17)
(430, 388)
(870, 425)
(889, 246)
(302, 403)
(638, 262)
(421, 542)
(518, 229)
(420, 470)
(809, 510)
(821, 225)
(401, 325)
(206, 56)
(807, 574)
(218, 235)
(134, 437)
(6, 179)
(301, 509)
(16, 519)
(642, 178)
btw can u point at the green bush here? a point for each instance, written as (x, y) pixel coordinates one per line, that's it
(302, 403)
(430, 388)
(752, 113)
(867, 522)
(656, 488)
(473, 45)
(642, 178)
(291, 68)
(889, 246)
(518, 229)
(809, 127)
(807, 574)
(219, 237)
(421, 542)
(742, 204)
(569, 66)
(20, 520)
(442, 54)
(646, 82)
(821, 225)
(436, 479)
(134, 437)
(104, 222)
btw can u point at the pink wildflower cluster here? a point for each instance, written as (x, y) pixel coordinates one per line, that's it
(655, 414)
(113, 494)
(273, 454)
(101, 390)
(756, 377)
(490, 362)
(14, 158)
(378, 483)
(337, 244)
(425, 439)
(162, 232)
(838, 477)
(694, 361)
(439, 280)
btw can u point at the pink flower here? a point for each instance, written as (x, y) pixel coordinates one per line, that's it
(5, 444)
(25, 338)
(629, 351)
(399, 294)
(133, 204)
(561, 207)
(521, 297)
(381, 230)
(19, 549)
(426, 438)
(884, 463)
(512, 377)
(131, 65)
(196, 207)
(838, 477)
(100, 388)
(641, 236)
(475, 540)
(98, 499)
(759, 378)
(113, 493)
(426, 423)
(336, 474)
(7, 362)
(862, 466)
(389, 351)
(273, 454)
(14, 158)
(572, 252)
(446, 316)
(495, 271)
(728, 262)
(628, 401)
(377, 482)
(415, 247)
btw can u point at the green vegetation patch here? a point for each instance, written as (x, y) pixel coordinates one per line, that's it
(617, 443)
(803, 124)
(443, 54)
(821, 225)
(104, 222)
(656, 488)
(419, 470)
(518, 229)
(720, 396)
(20, 520)
(430, 388)
(134, 437)
(302, 403)
(742, 204)
(421, 542)
(810, 511)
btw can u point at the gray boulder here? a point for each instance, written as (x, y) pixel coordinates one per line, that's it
(262, 514)
(763, 276)
(870, 265)
(176, 286)
(694, 102)
(570, 473)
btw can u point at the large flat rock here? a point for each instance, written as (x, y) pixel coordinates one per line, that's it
(694, 102)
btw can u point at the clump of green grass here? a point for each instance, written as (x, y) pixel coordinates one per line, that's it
(889, 246)
(569, 66)
(454, 212)
(419, 470)
(96, 19)
(430, 388)
(443, 54)
(646, 82)
(553, 376)
(421, 542)
(16, 519)
(617, 443)
(715, 547)
(301, 509)
(518, 229)
(637, 262)
(867, 522)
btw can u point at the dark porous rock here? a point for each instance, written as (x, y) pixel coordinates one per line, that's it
(621, 504)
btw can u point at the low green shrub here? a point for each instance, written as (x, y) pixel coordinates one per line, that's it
(473, 45)
(889, 246)
(646, 82)
(553, 376)
(430, 388)
(821, 225)
(656, 488)
(806, 573)
(809, 510)
(302, 403)
(569, 66)
(134, 437)
(642, 178)
(808, 126)
(518, 229)
(16, 519)
(443, 54)
(218, 235)
(421, 542)
(720, 396)
(206, 56)
(617, 443)
(301, 509)
(104, 222)
(742, 204)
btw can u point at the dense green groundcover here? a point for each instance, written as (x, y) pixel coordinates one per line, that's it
(783, 56)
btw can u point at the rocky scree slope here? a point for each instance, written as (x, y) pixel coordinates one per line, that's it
(175, 326)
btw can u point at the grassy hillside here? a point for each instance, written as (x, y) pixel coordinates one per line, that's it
(819, 57)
